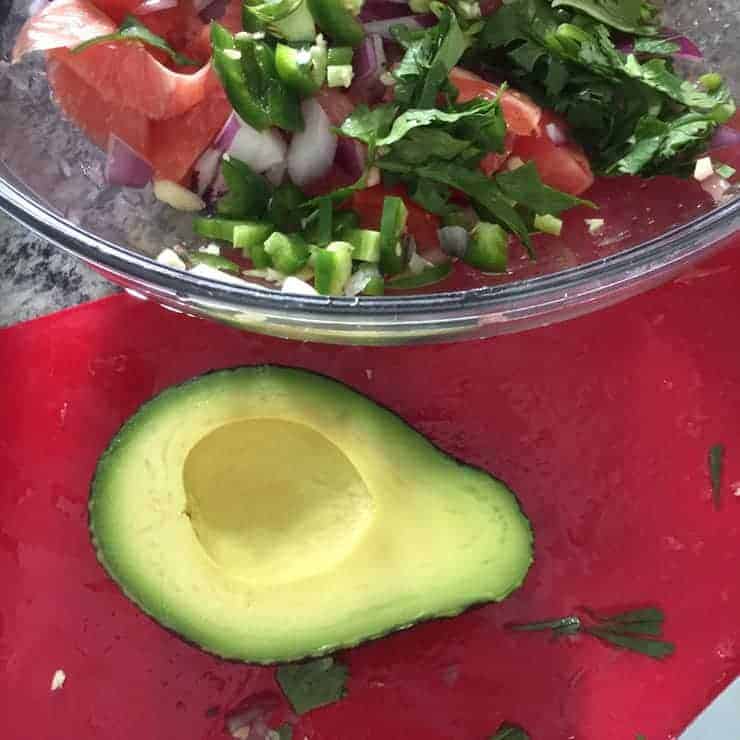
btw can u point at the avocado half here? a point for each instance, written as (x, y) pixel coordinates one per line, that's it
(268, 514)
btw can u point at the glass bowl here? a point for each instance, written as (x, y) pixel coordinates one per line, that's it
(51, 180)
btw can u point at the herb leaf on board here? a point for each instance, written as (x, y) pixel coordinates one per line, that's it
(312, 684)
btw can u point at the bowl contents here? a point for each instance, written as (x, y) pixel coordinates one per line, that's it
(331, 147)
(267, 514)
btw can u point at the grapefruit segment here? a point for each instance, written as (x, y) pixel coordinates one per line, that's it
(522, 114)
(126, 73)
(176, 143)
(95, 116)
(62, 23)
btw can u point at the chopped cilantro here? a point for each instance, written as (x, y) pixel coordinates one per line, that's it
(132, 29)
(716, 464)
(508, 731)
(312, 684)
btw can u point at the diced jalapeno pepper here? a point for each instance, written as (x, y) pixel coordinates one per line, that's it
(488, 248)
(227, 62)
(339, 55)
(332, 268)
(338, 20)
(344, 220)
(248, 234)
(392, 225)
(288, 252)
(216, 228)
(365, 244)
(302, 69)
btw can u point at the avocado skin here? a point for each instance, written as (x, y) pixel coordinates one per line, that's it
(129, 426)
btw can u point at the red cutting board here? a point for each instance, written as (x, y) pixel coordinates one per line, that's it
(602, 425)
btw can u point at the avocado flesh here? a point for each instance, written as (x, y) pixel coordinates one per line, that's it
(267, 514)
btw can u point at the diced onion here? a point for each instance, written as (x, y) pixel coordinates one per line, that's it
(170, 258)
(703, 168)
(154, 6)
(206, 169)
(206, 271)
(259, 149)
(177, 196)
(716, 187)
(124, 166)
(292, 284)
(312, 150)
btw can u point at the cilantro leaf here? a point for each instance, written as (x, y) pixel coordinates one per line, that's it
(285, 732)
(716, 464)
(424, 70)
(670, 146)
(476, 123)
(524, 186)
(477, 186)
(312, 684)
(631, 116)
(132, 29)
(655, 46)
(368, 124)
(508, 731)
(630, 16)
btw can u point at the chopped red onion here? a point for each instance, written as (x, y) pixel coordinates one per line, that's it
(206, 169)
(687, 48)
(350, 156)
(378, 10)
(369, 64)
(212, 10)
(224, 137)
(154, 6)
(312, 150)
(556, 134)
(724, 136)
(383, 27)
(715, 186)
(124, 166)
(259, 149)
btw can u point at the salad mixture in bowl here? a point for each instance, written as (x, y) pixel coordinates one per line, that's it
(331, 147)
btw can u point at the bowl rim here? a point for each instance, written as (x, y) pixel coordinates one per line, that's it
(573, 284)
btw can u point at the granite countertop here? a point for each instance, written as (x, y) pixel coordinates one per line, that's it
(36, 278)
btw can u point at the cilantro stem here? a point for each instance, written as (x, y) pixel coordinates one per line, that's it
(716, 465)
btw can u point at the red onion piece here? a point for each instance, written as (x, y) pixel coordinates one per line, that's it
(350, 156)
(383, 27)
(226, 135)
(724, 136)
(125, 166)
(154, 6)
(206, 169)
(312, 150)
(715, 186)
(556, 134)
(378, 10)
(212, 10)
(369, 65)
(687, 48)
(259, 149)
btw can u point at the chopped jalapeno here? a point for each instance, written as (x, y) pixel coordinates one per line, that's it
(488, 248)
(337, 19)
(392, 225)
(288, 252)
(332, 268)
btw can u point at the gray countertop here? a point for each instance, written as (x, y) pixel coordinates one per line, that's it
(36, 278)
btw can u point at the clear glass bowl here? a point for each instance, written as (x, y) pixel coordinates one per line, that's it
(51, 181)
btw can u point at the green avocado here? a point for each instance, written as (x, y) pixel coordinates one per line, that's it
(267, 514)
